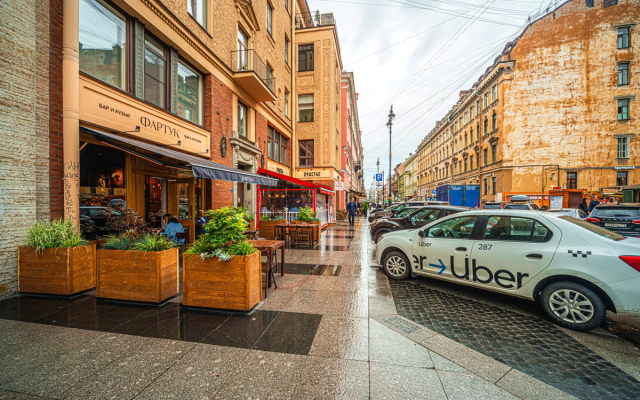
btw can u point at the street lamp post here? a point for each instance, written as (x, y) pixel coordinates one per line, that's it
(390, 124)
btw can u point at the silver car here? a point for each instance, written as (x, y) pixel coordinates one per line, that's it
(572, 212)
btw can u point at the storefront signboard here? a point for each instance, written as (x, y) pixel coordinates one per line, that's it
(317, 173)
(339, 185)
(279, 168)
(112, 110)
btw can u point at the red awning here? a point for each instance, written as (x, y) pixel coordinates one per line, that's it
(286, 178)
(327, 192)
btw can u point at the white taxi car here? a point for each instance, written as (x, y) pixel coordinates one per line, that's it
(577, 270)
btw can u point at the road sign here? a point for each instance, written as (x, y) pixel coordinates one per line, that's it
(433, 192)
(378, 177)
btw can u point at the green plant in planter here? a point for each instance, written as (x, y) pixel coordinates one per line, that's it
(247, 214)
(123, 241)
(150, 242)
(305, 214)
(265, 217)
(57, 233)
(223, 235)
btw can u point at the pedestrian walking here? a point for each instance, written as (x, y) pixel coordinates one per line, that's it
(593, 203)
(365, 208)
(352, 209)
(584, 206)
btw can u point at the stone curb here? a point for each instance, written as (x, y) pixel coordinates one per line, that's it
(515, 382)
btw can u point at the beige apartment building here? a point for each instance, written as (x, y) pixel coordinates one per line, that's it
(555, 110)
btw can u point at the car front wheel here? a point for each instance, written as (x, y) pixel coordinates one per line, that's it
(396, 265)
(573, 306)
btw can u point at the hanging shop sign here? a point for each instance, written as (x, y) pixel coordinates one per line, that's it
(111, 109)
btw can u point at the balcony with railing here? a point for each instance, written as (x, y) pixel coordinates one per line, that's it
(313, 19)
(253, 75)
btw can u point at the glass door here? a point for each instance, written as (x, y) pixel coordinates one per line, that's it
(182, 207)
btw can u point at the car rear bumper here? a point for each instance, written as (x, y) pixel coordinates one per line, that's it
(626, 296)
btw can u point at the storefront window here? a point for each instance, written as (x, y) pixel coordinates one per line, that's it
(321, 208)
(103, 33)
(285, 200)
(102, 179)
(189, 93)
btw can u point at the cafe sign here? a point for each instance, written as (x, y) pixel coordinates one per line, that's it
(110, 109)
(318, 173)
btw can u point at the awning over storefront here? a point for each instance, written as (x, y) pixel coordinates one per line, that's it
(286, 178)
(201, 167)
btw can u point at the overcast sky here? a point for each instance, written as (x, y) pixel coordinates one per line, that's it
(417, 55)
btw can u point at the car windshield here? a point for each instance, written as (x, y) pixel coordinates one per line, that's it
(405, 212)
(613, 212)
(598, 230)
(517, 207)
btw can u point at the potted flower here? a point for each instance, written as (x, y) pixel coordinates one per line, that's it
(307, 216)
(268, 225)
(222, 269)
(249, 216)
(138, 267)
(55, 259)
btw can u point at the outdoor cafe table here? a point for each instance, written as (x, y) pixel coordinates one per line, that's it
(270, 246)
(289, 226)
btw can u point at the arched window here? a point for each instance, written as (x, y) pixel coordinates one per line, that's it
(486, 125)
(494, 121)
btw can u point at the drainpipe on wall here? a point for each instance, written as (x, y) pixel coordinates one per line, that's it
(70, 108)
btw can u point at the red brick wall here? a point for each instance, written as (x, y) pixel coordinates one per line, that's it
(261, 134)
(218, 98)
(55, 113)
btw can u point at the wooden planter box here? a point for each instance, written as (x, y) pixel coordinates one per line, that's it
(233, 285)
(138, 275)
(62, 271)
(317, 230)
(268, 229)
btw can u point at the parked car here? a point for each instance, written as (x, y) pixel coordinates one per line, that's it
(572, 212)
(576, 270)
(391, 211)
(623, 219)
(411, 218)
(493, 205)
(521, 202)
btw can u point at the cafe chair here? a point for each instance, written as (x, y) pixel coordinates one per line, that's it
(185, 236)
(304, 236)
(268, 276)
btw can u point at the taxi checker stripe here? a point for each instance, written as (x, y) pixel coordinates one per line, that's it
(584, 255)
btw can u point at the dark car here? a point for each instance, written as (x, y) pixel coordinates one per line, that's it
(414, 218)
(623, 219)
(493, 205)
(391, 211)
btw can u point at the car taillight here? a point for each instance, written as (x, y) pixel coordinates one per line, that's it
(636, 222)
(633, 261)
(594, 220)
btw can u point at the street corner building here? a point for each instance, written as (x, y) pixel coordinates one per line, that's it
(175, 105)
(556, 113)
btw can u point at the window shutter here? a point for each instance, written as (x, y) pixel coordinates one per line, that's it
(138, 45)
(173, 81)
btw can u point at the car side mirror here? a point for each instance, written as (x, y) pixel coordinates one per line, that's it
(422, 233)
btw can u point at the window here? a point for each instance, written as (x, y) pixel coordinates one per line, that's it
(486, 100)
(622, 178)
(286, 4)
(589, 3)
(426, 215)
(471, 113)
(455, 129)
(486, 126)
(286, 103)
(477, 131)
(572, 180)
(243, 50)
(493, 185)
(485, 158)
(454, 228)
(516, 229)
(155, 72)
(494, 93)
(623, 147)
(609, 3)
(486, 186)
(277, 145)
(198, 10)
(623, 74)
(189, 93)
(305, 153)
(494, 153)
(465, 165)
(466, 118)
(305, 57)
(305, 108)
(103, 34)
(470, 162)
(242, 120)
(623, 109)
(269, 18)
(286, 49)
(270, 79)
(623, 37)
(465, 139)
(494, 121)
(477, 108)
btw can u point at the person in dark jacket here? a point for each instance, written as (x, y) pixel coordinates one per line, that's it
(352, 209)
(593, 203)
(584, 206)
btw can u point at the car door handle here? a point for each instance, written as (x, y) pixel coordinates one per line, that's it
(461, 249)
(535, 255)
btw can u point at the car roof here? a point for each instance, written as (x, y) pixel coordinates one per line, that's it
(605, 205)
(562, 209)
